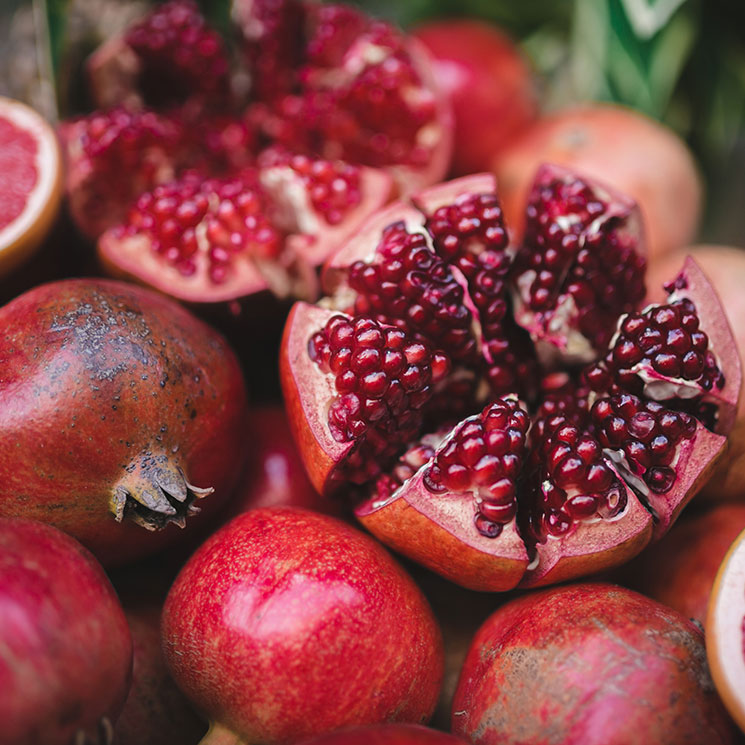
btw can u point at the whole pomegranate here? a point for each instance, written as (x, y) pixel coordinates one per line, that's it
(625, 149)
(725, 267)
(66, 659)
(679, 571)
(589, 663)
(287, 623)
(510, 414)
(119, 413)
(386, 734)
(490, 87)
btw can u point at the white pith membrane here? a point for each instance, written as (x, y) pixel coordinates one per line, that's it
(447, 520)
(47, 164)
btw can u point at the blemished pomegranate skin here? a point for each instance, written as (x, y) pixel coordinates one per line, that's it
(287, 624)
(65, 647)
(588, 664)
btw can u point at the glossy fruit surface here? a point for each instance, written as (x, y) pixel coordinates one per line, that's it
(280, 627)
(624, 149)
(490, 87)
(725, 635)
(30, 181)
(590, 663)
(119, 410)
(66, 660)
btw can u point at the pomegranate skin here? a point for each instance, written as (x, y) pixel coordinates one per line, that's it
(279, 628)
(489, 84)
(65, 648)
(725, 267)
(620, 147)
(585, 664)
(679, 570)
(386, 734)
(156, 712)
(117, 407)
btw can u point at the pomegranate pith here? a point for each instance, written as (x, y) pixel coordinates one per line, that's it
(606, 465)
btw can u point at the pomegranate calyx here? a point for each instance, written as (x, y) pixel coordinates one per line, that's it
(155, 492)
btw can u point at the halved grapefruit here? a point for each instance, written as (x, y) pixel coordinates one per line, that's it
(30, 181)
(725, 631)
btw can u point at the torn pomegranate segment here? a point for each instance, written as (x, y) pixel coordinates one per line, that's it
(563, 472)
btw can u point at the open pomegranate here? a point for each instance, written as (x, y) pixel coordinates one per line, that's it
(287, 624)
(342, 107)
(593, 664)
(66, 661)
(119, 413)
(443, 378)
(725, 631)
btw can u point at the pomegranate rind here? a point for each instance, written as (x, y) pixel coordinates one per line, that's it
(313, 239)
(591, 547)
(308, 393)
(725, 631)
(446, 539)
(714, 322)
(25, 233)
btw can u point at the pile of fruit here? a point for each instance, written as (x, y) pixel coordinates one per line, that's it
(503, 362)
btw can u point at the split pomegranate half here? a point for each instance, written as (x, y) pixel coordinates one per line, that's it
(509, 415)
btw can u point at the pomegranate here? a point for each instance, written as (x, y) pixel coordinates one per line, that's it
(725, 266)
(119, 411)
(588, 663)
(490, 86)
(725, 631)
(273, 474)
(102, 146)
(156, 712)
(679, 571)
(437, 378)
(276, 639)
(67, 653)
(168, 57)
(31, 181)
(335, 82)
(624, 148)
(386, 734)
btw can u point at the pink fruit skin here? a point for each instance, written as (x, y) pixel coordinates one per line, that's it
(287, 624)
(619, 147)
(679, 571)
(98, 377)
(725, 267)
(65, 648)
(489, 84)
(156, 712)
(586, 664)
(386, 734)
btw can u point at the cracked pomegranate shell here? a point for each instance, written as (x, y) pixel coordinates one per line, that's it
(509, 415)
(120, 415)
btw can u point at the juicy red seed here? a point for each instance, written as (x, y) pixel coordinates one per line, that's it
(581, 506)
(486, 527)
(660, 479)
(498, 513)
(170, 217)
